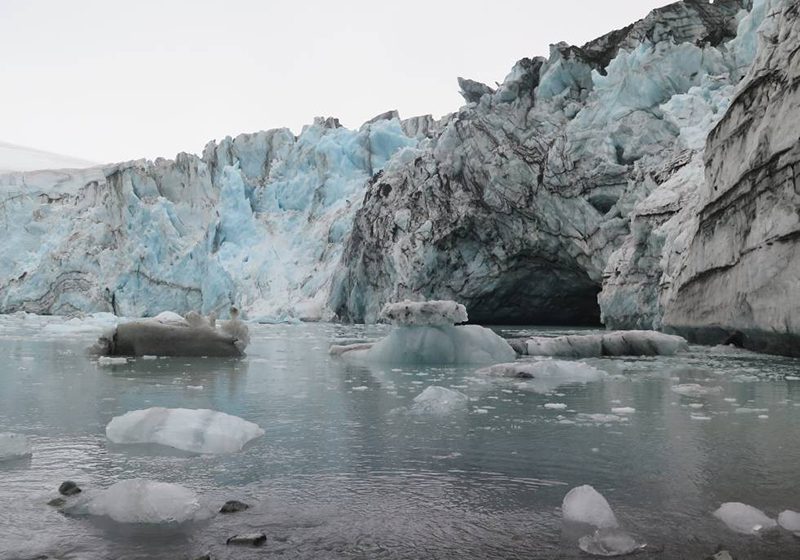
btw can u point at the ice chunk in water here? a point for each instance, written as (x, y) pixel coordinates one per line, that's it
(13, 446)
(586, 505)
(197, 431)
(468, 344)
(425, 313)
(141, 501)
(695, 390)
(790, 520)
(609, 542)
(619, 343)
(742, 518)
(546, 375)
(438, 400)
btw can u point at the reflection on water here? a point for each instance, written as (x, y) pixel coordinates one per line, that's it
(343, 472)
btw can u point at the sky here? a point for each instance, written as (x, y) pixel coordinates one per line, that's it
(107, 80)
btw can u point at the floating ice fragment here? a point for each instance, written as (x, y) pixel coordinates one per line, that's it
(699, 417)
(790, 520)
(746, 410)
(744, 519)
(111, 361)
(695, 390)
(196, 431)
(438, 400)
(141, 501)
(13, 446)
(620, 343)
(609, 542)
(546, 375)
(555, 406)
(584, 504)
(623, 410)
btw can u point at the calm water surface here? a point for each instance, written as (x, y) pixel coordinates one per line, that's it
(344, 472)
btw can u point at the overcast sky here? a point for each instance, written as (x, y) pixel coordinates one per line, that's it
(108, 80)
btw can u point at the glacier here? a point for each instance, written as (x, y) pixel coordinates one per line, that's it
(593, 186)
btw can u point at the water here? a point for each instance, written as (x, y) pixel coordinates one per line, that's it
(344, 472)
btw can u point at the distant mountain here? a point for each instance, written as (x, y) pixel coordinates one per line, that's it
(19, 158)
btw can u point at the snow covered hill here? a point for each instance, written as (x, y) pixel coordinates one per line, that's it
(19, 158)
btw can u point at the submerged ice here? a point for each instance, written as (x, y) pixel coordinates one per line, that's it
(196, 431)
(140, 501)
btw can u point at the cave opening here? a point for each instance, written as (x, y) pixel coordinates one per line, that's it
(539, 294)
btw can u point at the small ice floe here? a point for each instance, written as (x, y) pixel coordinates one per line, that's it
(555, 406)
(695, 390)
(790, 520)
(747, 410)
(140, 501)
(111, 361)
(425, 333)
(585, 507)
(623, 410)
(584, 504)
(546, 375)
(195, 387)
(599, 418)
(169, 334)
(700, 417)
(619, 343)
(14, 446)
(341, 349)
(744, 519)
(437, 400)
(196, 431)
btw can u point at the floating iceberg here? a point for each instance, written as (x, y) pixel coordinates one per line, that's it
(609, 542)
(13, 446)
(141, 501)
(584, 504)
(438, 400)
(695, 390)
(196, 431)
(424, 334)
(619, 343)
(169, 334)
(744, 519)
(790, 520)
(546, 375)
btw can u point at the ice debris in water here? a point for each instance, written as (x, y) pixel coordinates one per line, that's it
(111, 361)
(546, 375)
(424, 334)
(744, 519)
(438, 400)
(790, 520)
(620, 343)
(141, 501)
(695, 390)
(609, 542)
(196, 431)
(425, 313)
(584, 504)
(13, 446)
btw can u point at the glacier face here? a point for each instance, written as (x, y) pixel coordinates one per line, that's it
(259, 222)
(580, 189)
(516, 207)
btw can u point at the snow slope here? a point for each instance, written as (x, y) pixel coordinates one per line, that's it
(19, 158)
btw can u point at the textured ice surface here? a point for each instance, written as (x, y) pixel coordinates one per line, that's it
(426, 313)
(141, 501)
(695, 390)
(13, 446)
(609, 542)
(621, 343)
(584, 504)
(790, 520)
(197, 431)
(465, 344)
(546, 375)
(742, 518)
(438, 400)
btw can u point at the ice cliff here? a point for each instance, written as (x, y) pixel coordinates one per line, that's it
(645, 179)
